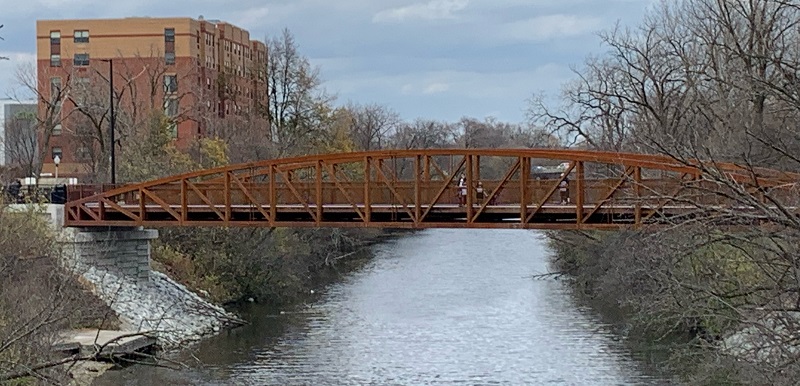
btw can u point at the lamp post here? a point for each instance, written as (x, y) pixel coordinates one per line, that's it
(56, 161)
(113, 118)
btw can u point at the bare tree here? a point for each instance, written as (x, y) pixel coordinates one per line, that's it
(21, 142)
(1, 38)
(423, 134)
(50, 97)
(705, 82)
(371, 125)
(38, 299)
(296, 102)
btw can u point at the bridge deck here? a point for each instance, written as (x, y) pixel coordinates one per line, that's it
(549, 216)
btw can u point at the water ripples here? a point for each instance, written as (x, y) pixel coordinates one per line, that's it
(455, 307)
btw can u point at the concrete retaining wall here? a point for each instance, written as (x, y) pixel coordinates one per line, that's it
(124, 252)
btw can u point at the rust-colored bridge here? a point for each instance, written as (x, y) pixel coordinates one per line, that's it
(419, 189)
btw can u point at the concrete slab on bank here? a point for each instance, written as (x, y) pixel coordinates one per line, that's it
(111, 343)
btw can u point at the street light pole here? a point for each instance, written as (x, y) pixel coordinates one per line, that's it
(56, 161)
(113, 119)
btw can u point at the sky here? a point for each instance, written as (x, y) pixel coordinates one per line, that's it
(431, 59)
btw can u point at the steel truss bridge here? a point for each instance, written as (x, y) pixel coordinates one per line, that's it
(419, 189)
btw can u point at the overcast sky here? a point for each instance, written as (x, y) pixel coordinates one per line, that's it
(437, 59)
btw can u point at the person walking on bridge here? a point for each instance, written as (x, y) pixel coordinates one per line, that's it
(563, 188)
(462, 191)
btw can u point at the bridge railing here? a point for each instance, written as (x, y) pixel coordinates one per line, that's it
(397, 193)
(79, 191)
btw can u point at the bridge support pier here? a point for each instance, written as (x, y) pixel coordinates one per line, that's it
(121, 251)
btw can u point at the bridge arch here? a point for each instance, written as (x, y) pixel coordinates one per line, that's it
(418, 189)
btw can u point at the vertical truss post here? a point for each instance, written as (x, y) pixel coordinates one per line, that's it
(142, 207)
(227, 190)
(469, 187)
(367, 189)
(637, 189)
(477, 167)
(394, 171)
(184, 202)
(380, 167)
(580, 193)
(417, 189)
(427, 169)
(318, 184)
(273, 196)
(524, 171)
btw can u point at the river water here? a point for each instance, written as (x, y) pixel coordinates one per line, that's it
(455, 307)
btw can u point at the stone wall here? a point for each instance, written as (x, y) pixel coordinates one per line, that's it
(124, 252)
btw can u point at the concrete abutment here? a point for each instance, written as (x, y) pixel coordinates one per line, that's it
(121, 251)
(124, 252)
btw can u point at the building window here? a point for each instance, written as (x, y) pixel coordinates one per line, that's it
(55, 87)
(169, 45)
(81, 36)
(81, 60)
(82, 153)
(56, 152)
(55, 48)
(170, 84)
(55, 99)
(172, 128)
(80, 92)
(171, 107)
(171, 111)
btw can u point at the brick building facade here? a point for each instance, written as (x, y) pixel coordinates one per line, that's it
(192, 70)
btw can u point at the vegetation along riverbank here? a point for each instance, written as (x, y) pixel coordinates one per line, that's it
(703, 82)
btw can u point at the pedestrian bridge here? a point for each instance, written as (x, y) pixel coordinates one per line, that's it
(419, 189)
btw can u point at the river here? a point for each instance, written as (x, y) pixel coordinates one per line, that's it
(456, 307)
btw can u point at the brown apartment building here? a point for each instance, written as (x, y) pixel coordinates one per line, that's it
(194, 70)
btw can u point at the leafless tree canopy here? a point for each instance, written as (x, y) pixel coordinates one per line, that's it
(297, 105)
(38, 299)
(1, 38)
(714, 80)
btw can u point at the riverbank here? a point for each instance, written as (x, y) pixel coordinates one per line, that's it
(690, 298)
(180, 317)
(161, 307)
(232, 265)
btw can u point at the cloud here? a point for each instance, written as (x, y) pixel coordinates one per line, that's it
(412, 86)
(8, 72)
(250, 18)
(440, 58)
(549, 27)
(432, 10)
(435, 88)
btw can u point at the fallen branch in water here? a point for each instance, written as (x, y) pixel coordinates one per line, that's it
(328, 257)
(549, 275)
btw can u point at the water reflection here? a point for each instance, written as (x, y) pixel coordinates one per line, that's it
(440, 307)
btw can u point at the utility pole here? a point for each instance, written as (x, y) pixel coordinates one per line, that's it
(113, 119)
